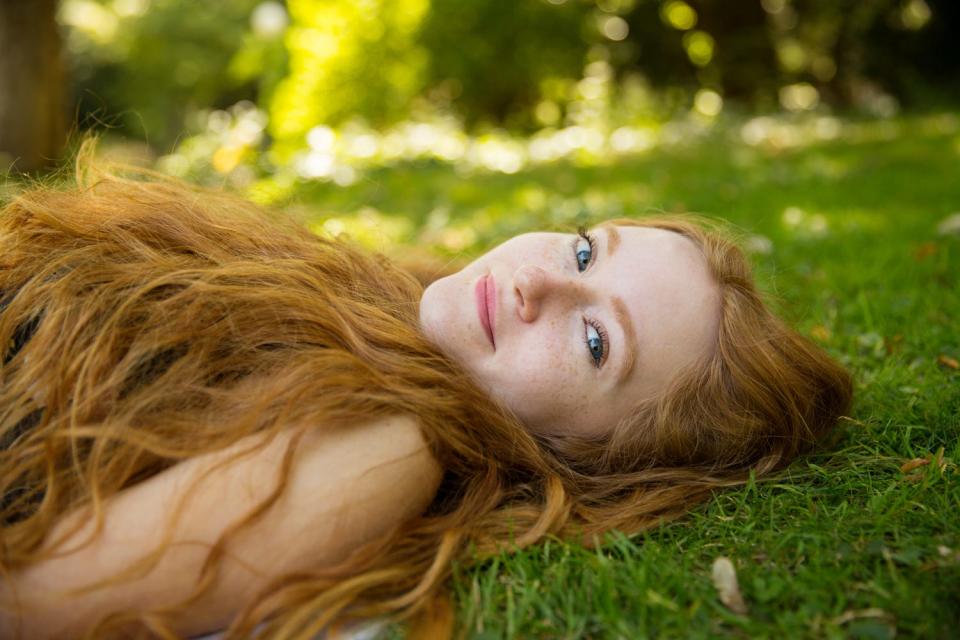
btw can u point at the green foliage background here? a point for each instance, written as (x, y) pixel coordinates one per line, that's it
(148, 65)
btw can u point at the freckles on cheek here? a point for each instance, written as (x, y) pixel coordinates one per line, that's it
(564, 388)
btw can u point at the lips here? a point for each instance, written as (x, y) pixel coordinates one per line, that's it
(485, 293)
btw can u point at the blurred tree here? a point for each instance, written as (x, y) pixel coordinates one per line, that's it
(490, 57)
(32, 118)
(144, 65)
(744, 62)
(155, 68)
(913, 51)
(828, 43)
(354, 58)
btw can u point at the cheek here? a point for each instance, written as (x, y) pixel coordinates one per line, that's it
(540, 361)
(541, 387)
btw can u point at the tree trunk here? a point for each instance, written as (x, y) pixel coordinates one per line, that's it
(32, 115)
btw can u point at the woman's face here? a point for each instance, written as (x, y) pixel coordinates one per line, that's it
(579, 331)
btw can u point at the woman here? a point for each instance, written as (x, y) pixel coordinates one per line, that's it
(215, 420)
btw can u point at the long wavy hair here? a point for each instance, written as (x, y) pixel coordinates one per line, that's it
(172, 321)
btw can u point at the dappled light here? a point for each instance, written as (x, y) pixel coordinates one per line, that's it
(406, 80)
(353, 155)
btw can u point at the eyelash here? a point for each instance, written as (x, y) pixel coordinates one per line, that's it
(604, 340)
(586, 235)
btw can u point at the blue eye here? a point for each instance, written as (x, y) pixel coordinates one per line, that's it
(583, 248)
(596, 341)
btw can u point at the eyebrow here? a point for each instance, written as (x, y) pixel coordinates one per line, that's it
(620, 312)
(630, 339)
(613, 238)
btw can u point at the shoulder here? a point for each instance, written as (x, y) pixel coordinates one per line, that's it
(372, 442)
(346, 486)
(361, 478)
(325, 458)
(378, 459)
(380, 440)
(352, 485)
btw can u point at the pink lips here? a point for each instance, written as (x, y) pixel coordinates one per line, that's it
(485, 294)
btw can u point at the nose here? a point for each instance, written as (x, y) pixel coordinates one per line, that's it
(533, 286)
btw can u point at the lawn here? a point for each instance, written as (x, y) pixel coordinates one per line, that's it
(842, 222)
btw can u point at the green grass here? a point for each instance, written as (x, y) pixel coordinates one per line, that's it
(842, 545)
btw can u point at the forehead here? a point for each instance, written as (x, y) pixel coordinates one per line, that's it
(670, 295)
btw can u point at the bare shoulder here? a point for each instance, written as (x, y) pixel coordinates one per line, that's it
(379, 441)
(388, 450)
(346, 486)
(375, 474)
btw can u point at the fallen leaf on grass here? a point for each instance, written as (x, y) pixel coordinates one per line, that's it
(937, 459)
(913, 464)
(947, 361)
(725, 580)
